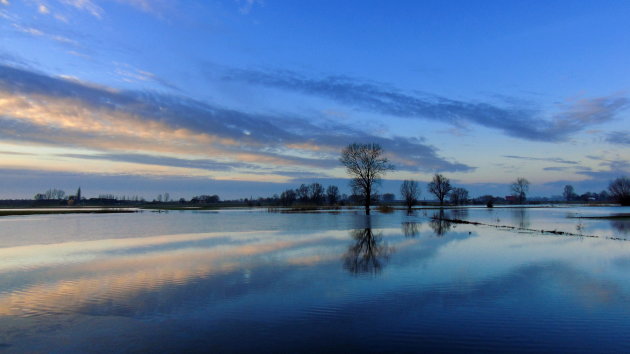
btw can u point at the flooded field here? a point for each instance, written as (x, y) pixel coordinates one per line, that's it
(250, 280)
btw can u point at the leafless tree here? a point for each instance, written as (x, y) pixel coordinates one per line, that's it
(459, 196)
(316, 193)
(288, 197)
(520, 187)
(410, 192)
(620, 190)
(568, 193)
(302, 193)
(367, 165)
(332, 194)
(440, 186)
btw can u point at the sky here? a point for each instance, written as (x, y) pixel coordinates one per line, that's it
(246, 98)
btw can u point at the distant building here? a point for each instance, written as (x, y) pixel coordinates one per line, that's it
(511, 198)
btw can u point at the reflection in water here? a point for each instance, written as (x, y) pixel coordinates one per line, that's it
(368, 254)
(461, 213)
(439, 225)
(622, 226)
(520, 216)
(411, 228)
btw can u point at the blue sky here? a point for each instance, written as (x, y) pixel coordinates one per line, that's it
(247, 98)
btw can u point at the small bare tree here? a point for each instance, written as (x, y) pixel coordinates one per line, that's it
(568, 193)
(459, 196)
(410, 192)
(620, 190)
(440, 186)
(332, 194)
(367, 165)
(520, 187)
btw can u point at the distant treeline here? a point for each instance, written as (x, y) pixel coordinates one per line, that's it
(315, 194)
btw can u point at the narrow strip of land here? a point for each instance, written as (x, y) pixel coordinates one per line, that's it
(542, 231)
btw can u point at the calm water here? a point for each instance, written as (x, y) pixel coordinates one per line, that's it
(246, 281)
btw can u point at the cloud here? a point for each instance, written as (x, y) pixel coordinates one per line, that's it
(42, 9)
(85, 5)
(5, 2)
(621, 138)
(517, 121)
(136, 127)
(245, 6)
(129, 73)
(205, 164)
(39, 33)
(549, 159)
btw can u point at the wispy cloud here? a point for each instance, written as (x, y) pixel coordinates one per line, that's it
(517, 121)
(39, 33)
(548, 159)
(144, 127)
(246, 6)
(621, 138)
(129, 73)
(85, 5)
(43, 9)
(156, 8)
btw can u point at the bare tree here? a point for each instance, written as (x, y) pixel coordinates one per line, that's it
(440, 186)
(620, 190)
(459, 196)
(410, 192)
(288, 197)
(366, 164)
(332, 194)
(520, 187)
(316, 193)
(568, 193)
(302, 193)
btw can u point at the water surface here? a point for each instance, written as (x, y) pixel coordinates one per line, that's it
(245, 280)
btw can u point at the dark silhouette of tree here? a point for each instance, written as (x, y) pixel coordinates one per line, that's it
(440, 186)
(568, 193)
(459, 196)
(410, 192)
(388, 197)
(367, 254)
(79, 195)
(519, 188)
(332, 194)
(620, 190)
(316, 193)
(302, 193)
(288, 197)
(440, 224)
(366, 164)
(206, 199)
(51, 194)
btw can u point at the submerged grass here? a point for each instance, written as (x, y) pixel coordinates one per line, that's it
(517, 228)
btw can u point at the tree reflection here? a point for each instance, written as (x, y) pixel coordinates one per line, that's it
(439, 224)
(520, 216)
(368, 253)
(411, 228)
(623, 226)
